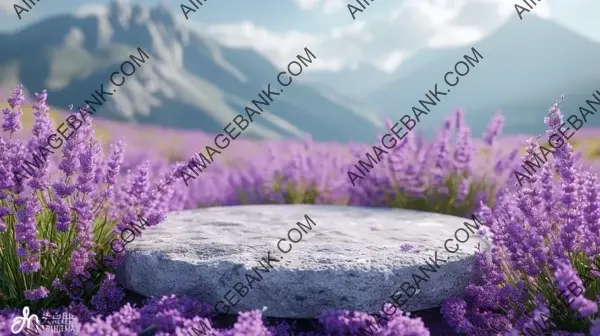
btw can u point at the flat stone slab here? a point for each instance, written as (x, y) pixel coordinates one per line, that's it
(351, 258)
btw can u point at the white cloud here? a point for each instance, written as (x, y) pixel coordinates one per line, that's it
(355, 30)
(542, 9)
(333, 6)
(483, 13)
(6, 5)
(455, 36)
(280, 48)
(393, 60)
(327, 6)
(307, 4)
(383, 41)
(91, 9)
(341, 46)
(74, 38)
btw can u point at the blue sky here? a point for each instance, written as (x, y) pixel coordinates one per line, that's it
(386, 33)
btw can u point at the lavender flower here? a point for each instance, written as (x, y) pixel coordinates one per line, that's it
(26, 233)
(406, 247)
(109, 295)
(565, 277)
(58, 219)
(73, 204)
(455, 312)
(493, 130)
(538, 230)
(11, 116)
(248, 323)
(36, 294)
(595, 329)
(42, 129)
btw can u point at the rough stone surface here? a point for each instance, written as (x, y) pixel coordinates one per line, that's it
(351, 259)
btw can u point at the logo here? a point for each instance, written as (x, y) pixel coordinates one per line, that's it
(19, 322)
(31, 325)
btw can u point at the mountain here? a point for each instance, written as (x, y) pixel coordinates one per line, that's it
(188, 82)
(358, 82)
(526, 66)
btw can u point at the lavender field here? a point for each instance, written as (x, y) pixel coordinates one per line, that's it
(299, 168)
(544, 235)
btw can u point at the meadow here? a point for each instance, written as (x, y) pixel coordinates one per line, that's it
(544, 235)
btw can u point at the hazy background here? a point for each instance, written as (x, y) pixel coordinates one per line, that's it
(204, 70)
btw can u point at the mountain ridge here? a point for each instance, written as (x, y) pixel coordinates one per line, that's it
(189, 82)
(530, 62)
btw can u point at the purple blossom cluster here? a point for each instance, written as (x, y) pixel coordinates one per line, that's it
(181, 316)
(55, 225)
(545, 240)
(58, 226)
(451, 174)
(544, 236)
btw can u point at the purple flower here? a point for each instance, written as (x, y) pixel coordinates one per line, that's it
(591, 215)
(42, 129)
(493, 130)
(63, 214)
(554, 118)
(26, 232)
(404, 326)
(63, 190)
(565, 277)
(109, 295)
(21, 252)
(535, 229)
(248, 323)
(71, 152)
(344, 322)
(459, 119)
(463, 151)
(87, 161)
(36, 294)
(11, 116)
(406, 247)
(82, 254)
(463, 191)
(114, 166)
(454, 311)
(139, 185)
(595, 329)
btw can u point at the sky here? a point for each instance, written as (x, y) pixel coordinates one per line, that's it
(383, 35)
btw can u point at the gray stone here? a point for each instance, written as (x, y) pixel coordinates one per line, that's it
(351, 259)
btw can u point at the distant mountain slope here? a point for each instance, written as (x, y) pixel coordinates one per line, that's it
(189, 82)
(357, 83)
(527, 65)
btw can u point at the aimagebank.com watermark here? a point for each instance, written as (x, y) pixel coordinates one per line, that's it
(31, 325)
